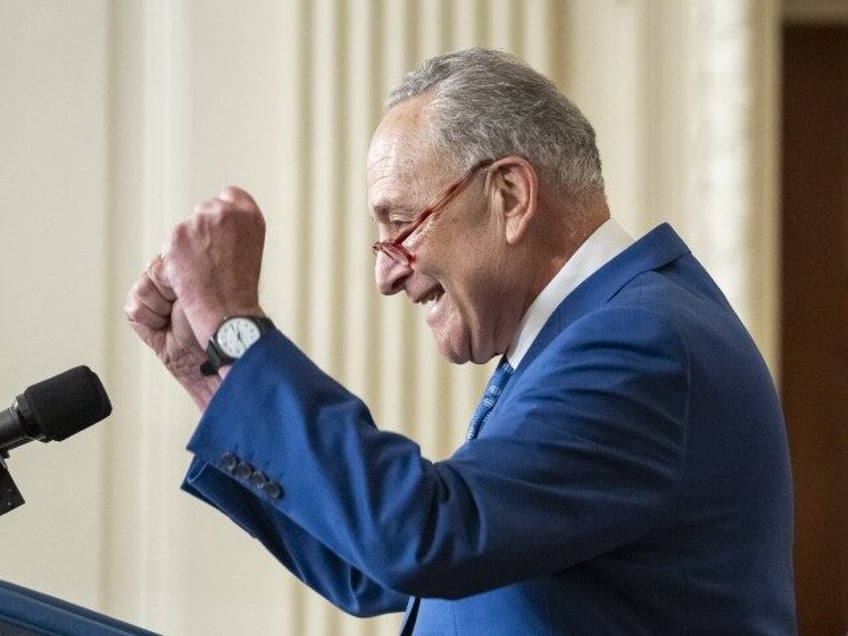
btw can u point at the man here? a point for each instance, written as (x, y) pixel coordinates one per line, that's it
(627, 471)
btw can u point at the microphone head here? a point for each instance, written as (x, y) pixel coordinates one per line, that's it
(67, 403)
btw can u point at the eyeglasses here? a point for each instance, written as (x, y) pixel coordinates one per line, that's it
(394, 248)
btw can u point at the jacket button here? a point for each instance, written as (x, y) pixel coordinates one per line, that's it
(273, 490)
(258, 479)
(243, 470)
(229, 462)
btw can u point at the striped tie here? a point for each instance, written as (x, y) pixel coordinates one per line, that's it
(490, 396)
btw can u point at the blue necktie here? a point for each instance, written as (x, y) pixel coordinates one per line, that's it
(493, 391)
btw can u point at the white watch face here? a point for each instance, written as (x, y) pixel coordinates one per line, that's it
(236, 335)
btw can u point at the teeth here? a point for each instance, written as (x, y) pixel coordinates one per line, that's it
(431, 297)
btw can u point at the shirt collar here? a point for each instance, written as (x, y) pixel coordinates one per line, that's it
(605, 243)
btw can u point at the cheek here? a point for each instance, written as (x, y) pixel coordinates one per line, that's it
(477, 285)
(462, 254)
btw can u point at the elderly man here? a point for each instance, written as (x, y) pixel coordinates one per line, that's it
(626, 471)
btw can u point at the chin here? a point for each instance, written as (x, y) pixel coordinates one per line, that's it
(454, 354)
(463, 353)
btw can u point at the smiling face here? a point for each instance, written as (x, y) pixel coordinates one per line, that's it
(473, 300)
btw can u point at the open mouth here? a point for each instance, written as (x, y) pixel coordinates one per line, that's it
(431, 296)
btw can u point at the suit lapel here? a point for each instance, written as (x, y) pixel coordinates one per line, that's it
(656, 249)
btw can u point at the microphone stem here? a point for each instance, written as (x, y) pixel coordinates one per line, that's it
(10, 496)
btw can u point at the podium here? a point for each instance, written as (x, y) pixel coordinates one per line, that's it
(24, 612)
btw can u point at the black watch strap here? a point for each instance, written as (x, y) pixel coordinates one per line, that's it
(215, 358)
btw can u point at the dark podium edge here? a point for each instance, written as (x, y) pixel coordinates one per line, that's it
(25, 612)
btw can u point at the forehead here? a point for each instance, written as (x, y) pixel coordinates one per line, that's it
(402, 167)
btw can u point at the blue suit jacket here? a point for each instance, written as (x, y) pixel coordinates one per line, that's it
(633, 477)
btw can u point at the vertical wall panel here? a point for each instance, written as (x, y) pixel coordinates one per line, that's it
(602, 50)
(719, 96)
(54, 280)
(710, 141)
(121, 583)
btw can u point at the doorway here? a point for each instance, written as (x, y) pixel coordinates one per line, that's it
(814, 342)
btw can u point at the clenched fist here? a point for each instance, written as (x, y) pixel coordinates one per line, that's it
(208, 270)
(213, 260)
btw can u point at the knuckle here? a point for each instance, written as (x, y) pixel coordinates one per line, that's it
(178, 236)
(229, 193)
(137, 289)
(234, 194)
(131, 309)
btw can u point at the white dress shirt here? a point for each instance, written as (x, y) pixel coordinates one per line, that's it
(605, 243)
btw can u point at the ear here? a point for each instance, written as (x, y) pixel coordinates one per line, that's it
(514, 183)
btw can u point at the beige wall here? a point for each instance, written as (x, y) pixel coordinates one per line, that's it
(115, 117)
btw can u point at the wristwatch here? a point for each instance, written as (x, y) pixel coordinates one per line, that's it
(232, 339)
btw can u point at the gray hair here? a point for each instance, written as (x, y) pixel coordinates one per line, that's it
(489, 104)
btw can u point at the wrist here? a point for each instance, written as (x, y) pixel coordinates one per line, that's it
(231, 340)
(185, 370)
(207, 322)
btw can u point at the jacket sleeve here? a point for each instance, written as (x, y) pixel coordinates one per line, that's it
(306, 557)
(581, 455)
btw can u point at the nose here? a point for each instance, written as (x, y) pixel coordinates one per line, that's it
(390, 275)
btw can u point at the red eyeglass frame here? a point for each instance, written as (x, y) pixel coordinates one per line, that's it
(394, 248)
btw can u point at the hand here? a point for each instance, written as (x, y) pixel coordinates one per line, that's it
(157, 316)
(213, 260)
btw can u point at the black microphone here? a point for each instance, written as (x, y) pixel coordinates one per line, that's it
(54, 409)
